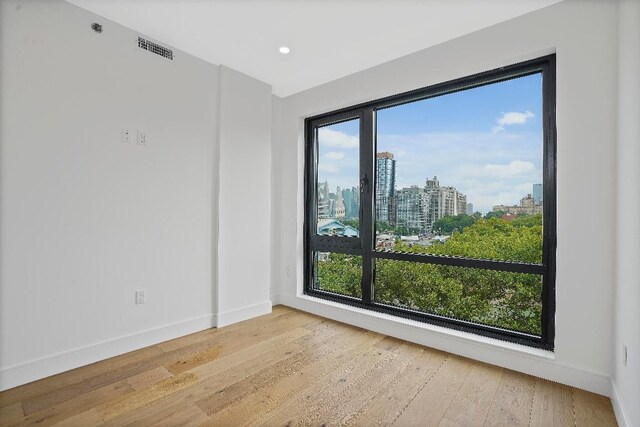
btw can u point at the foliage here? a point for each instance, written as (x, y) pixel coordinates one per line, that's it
(449, 224)
(406, 231)
(351, 223)
(504, 299)
(383, 227)
(496, 214)
(340, 273)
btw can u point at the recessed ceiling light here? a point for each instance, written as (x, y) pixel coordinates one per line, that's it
(284, 50)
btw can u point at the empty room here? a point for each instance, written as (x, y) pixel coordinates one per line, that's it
(320, 212)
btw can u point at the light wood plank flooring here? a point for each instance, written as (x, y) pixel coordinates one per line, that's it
(290, 368)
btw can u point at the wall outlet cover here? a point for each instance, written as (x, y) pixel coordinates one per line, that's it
(140, 297)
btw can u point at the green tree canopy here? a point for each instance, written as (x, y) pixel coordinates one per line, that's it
(503, 299)
(449, 224)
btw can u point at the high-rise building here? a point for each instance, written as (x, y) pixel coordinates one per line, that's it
(461, 203)
(351, 200)
(339, 205)
(443, 201)
(385, 186)
(346, 197)
(537, 193)
(411, 207)
(528, 206)
(355, 202)
(469, 209)
(324, 208)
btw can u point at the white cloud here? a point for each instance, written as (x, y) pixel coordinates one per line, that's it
(334, 155)
(333, 138)
(512, 118)
(328, 168)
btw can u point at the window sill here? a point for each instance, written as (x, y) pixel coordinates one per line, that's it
(434, 336)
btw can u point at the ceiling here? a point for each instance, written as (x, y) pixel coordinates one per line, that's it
(328, 39)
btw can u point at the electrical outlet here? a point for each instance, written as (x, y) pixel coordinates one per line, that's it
(126, 136)
(140, 297)
(142, 138)
(624, 355)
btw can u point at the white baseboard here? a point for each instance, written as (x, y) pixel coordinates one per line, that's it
(519, 358)
(23, 373)
(27, 372)
(244, 313)
(618, 407)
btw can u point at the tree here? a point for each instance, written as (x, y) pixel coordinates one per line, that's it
(496, 214)
(383, 226)
(340, 273)
(449, 224)
(351, 222)
(503, 299)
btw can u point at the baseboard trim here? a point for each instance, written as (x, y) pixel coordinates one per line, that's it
(618, 407)
(243, 313)
(519, 358)
(47, 366)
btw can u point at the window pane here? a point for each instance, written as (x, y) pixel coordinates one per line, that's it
(338, 273)
(338, 179)
(461, 174)
(507, 300)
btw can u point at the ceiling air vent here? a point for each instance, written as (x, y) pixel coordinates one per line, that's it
(155, 48)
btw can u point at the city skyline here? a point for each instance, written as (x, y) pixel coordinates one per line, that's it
(486, 142)
(349, 197)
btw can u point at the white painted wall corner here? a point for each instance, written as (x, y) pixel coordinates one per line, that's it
(244, 313)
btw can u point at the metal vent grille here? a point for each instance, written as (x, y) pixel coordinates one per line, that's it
(155, 48)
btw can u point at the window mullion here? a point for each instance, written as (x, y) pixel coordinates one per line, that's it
(367, 185)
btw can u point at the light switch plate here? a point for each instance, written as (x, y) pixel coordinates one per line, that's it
(142, 138)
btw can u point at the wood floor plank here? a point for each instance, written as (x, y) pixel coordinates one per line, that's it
(592, 410)
(11, 413)
(190, 416)
(62, 385)
(471, 404)
(263, 395)
(389, 403)
(215, 376)
(343, 406)
(226, 343)
(260, 358)
(79, 404)
(552, 405)
(256, 328)
(148, 378)
(142, 397)
(190, 361)
(87, 418)
(512, 403)
(333, 346)
(306, 408)
(432, 401)
(291, 367)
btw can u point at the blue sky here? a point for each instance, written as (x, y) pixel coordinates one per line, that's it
(486, 142)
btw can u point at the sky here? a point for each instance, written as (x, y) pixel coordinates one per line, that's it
(486, 142)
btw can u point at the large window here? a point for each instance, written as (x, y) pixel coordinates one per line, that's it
(439, 204)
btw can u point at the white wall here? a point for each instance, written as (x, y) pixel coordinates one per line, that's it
(85, 219)
(244, 204)
(276, 202)
(626, 380)
(584, 36)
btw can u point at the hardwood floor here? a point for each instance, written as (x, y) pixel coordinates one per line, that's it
(291, 367)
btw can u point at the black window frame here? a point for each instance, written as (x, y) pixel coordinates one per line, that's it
(364, 244)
